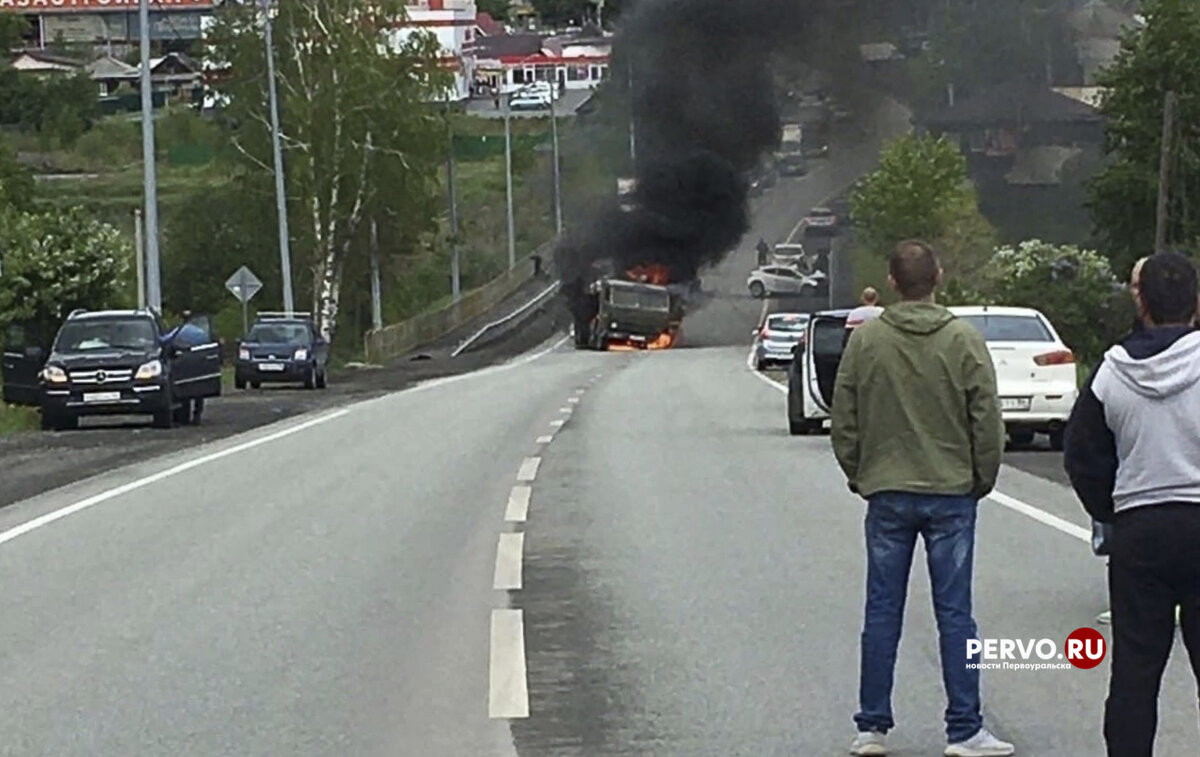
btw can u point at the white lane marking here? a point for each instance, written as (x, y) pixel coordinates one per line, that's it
(1000, 498)
(566, 410)
(104, 496)
(508, 561)
(573, 400)
(508, 687)
(580, 391)
(1041, 516)
(529, 469)
(518, 504)
(545, 439)
(558, 423)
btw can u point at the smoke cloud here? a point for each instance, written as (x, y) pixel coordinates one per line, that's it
(704, 109)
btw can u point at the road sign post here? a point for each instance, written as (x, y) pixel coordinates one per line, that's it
(243, 284)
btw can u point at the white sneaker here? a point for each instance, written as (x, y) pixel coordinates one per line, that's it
(982, 744)
(869, 744)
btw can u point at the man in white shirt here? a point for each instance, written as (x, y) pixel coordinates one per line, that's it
(869, 310)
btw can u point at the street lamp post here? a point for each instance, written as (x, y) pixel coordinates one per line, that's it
(508, 184)
(149, 174)
(558, 214)
(285, 257)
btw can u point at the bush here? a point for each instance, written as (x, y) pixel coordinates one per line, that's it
(1074, 288)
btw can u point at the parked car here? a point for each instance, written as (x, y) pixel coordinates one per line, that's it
(536, 96)
(124, 362)
(282, 348)
(792, 255)
(813, 371)
(778, 337)
(773, 280)
(1035, 370)
(793, 164)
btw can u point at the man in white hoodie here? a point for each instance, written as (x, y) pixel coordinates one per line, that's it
(1132, 452)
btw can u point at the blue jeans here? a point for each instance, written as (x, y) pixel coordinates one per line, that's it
(947, 525)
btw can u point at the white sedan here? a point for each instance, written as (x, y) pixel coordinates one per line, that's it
(773, 280)
(1035, 370)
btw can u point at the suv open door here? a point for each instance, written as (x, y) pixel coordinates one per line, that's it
(814, 372)
(197, 361)
(22, 361)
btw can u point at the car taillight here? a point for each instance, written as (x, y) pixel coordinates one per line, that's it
(1058, 357)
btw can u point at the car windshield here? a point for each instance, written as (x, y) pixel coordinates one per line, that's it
(279, 333)
(641, 299)
(107, 334)
(792, 324)
(1010, 328)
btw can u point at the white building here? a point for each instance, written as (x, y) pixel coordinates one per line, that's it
(453, 23)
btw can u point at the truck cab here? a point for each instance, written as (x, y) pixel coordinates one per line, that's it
(632, 314)
(125, 362)
(813, 372)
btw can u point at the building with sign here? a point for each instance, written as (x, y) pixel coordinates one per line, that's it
(110, 26)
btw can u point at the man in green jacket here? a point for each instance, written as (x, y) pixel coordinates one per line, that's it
(917, 429)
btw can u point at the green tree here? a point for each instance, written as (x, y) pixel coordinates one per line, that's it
(359, 128)
(16, 182)
(1162, 56)
(920, 187)
(55, 262)
(1075, 288)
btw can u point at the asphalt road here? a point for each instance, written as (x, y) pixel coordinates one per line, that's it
(570, 554)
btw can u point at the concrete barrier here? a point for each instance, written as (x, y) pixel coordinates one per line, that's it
(397, 339)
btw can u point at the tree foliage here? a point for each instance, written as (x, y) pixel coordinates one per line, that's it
(576, 11)
(919, 189)
(17, 186)
(1073, 287)
(58, 261)
(1163, 56)
(360, 132)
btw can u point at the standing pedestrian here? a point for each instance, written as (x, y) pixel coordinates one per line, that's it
(764, 252)
(916, 428)
(1132, 452)
(869, 310)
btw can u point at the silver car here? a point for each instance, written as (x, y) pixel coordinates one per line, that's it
(778, 338)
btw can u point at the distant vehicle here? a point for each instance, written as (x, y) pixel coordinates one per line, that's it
(769, 281)
(793, 255)
(813, 371)
(282, 349)
(790, 155)
(123, 362)
(536, 96)
(779, 336)
(631, 315)
(1035, 370)
(821, 221)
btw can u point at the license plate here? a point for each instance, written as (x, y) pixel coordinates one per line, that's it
(102, 397)
(1014, 403)
(271, 367)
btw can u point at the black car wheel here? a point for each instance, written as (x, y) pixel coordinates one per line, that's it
(256, 385)
(239, 383)
(322, 382)
(1056, 440)
(310, 379)
(1021, 438)
(757, 290)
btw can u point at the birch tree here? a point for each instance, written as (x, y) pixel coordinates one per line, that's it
(358, 122)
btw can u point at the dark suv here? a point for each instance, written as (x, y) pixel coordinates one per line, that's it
(123, 362)
(282, 348)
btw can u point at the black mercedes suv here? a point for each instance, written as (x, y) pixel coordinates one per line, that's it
(123, 362)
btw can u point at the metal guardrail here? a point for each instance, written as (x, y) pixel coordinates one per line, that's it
(544, 294)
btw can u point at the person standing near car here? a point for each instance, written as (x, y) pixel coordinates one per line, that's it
(1132, 452)
(764, 252)
(869, 310)
(916, 428)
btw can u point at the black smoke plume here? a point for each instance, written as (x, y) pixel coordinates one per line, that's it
(698, 76)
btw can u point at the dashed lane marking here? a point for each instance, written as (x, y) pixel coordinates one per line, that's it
(518, 504)
(1000, 498)
(558, 423)
(509, 551)
(545, 439)
(508, 683)
(573, 400)
(566, 410)
(529, 469)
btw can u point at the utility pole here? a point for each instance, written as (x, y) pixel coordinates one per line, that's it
(139, 255)
(558, 214)
(376, 299)
(1164, 172)
(285, 257)
(149, 174)
(508, 183)
(632, 122)
(452, 191)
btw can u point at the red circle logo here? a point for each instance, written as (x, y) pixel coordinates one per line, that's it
(1086, 648)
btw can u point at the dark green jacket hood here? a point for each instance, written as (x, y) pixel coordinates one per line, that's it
(917, 317)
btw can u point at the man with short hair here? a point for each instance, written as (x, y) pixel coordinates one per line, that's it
(1132, 452)
(916, 427)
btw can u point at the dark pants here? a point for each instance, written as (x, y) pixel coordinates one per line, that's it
(1154, 567)
(947, 526)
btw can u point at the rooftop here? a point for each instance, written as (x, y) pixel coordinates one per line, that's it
(1013, 103)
